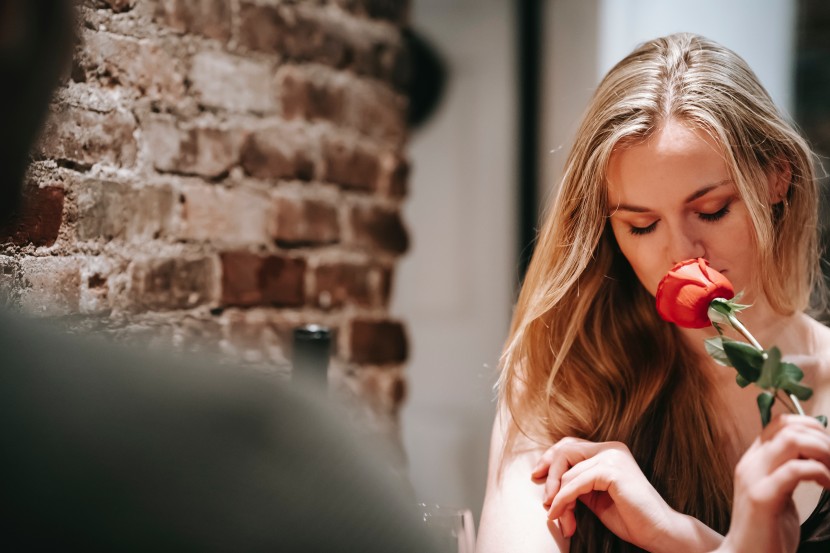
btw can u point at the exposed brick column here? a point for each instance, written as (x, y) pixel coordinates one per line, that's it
(216, 172)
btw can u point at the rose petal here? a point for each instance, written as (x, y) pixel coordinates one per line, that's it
(684, 294)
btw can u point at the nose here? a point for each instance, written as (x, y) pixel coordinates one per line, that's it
(684, 245)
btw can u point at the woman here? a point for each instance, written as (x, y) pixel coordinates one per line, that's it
(681, 154)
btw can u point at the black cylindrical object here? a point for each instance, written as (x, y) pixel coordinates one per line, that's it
(312, 350)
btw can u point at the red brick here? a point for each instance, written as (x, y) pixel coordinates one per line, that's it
(113, 210)
(307, 93)
(233, 83)
(389, 62)
(249, 279)
(261, 27)
(282, 152)
(377, 342)
(304, 33)
(351, 165)
(342, 284)
(172, 282)
(292, 33)
(39, 217)
(201, 149)
(50, 286)
(140, 64)
(376, 112)
(318, 93)
(303, 222)
(86, 137)
(379, 228)
(229, 216)
(394, 175)
(211, 18)
(115, 5)
(384, 286)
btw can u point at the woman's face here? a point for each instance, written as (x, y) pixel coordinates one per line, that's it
(672, 198)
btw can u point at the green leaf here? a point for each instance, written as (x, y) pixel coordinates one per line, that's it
(734, 305)
(746, 359)
(798, 390)
(822, 419)
(765, 401)
(721, 306)
(742, 382)
(714, 347)
(771, 369)
(789, 373)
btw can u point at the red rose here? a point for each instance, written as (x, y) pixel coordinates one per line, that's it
(684, 294)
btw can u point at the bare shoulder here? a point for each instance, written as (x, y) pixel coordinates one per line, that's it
(819, 336)
(513, 517)
(815, 362)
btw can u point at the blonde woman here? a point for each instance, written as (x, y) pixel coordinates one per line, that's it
(615, 430)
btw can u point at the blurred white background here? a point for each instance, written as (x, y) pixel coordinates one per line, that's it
(456, 287)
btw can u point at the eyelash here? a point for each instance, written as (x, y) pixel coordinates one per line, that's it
(707, 217)
(719, 214)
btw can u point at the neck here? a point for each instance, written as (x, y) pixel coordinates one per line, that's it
(767, 326)
(759, 318)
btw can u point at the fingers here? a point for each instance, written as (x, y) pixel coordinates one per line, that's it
(593, 478)
(553, 454)
(564, 456)
(794, 441)
(567, 522)
(558, 467)
(783, 420)
(789, 437)
(557, 460)
(786, 477)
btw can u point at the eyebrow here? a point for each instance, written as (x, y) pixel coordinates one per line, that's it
(692, 197)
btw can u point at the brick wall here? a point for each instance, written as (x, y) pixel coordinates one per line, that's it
(216, 172)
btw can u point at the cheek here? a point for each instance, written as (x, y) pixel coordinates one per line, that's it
(641, 256)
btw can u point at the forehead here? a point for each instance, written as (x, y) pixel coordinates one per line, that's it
(675, 160)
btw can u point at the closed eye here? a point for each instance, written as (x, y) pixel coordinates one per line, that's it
(717, 215)
(640, 231)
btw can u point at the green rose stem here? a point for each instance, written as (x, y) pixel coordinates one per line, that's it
(754, 364)
(738, 325)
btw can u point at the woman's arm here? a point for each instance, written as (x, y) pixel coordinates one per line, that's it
(514, 518)
(605, 477)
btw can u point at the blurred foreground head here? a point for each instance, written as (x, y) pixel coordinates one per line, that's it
(36, 40)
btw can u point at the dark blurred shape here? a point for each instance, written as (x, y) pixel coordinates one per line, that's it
(105, 449)
(36, 42)
(428, 78)
(529, 36)
(311, 353)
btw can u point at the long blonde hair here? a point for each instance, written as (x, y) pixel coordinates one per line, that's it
(587, 354)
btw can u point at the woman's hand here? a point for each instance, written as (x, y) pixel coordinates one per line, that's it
(606, 478)
(790, 449)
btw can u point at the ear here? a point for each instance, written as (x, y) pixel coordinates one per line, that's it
(779, 177)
